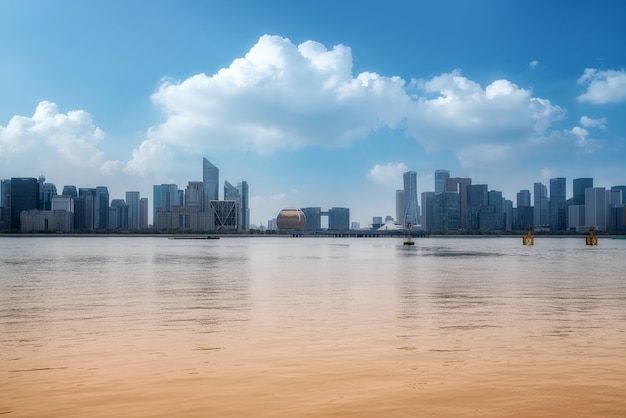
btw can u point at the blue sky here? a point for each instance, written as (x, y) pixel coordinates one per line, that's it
(319, 103)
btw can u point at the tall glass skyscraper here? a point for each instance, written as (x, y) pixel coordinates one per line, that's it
(101, 219)
(210, 179)
(579, 189)
(558, 204)
(132, 200)
(441, 176)
(410, 198)
(540, 208)
(245, 209)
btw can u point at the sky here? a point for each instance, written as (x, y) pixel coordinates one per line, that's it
(313, 103)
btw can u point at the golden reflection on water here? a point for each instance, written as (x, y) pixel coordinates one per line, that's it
(133, 327)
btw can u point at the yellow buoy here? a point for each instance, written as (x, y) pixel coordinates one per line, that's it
(529, 239)
(591, 239)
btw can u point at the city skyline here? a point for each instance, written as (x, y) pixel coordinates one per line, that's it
(315, 108)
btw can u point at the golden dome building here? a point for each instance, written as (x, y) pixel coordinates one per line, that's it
(290, 219)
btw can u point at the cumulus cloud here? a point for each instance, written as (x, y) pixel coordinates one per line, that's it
(593, 123)
(278, 96)
(286, 96)
(389, 174)
(48, 134)
(454, 112)
(603, 86)
(533, 64)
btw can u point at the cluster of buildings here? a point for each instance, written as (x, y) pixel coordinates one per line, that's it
(32, 205)
(458, 205)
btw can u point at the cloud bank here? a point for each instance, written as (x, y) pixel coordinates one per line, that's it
(603, 86)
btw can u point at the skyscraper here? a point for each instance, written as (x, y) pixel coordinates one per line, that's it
(101, 218)
(540, 208)
(441, 176)
(401, 206)
(245, 209)
(410, 196)
(210, 179)
(132, 200)
(20, 193)
(459, 185)
(428, 211)
(523, 198)
(143, 213)
(596, 208)
(579, 186)
(558, 204)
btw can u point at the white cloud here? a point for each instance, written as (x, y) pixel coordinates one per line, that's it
(603, 86)
(479, 124)
(593, 123)
(389, 174)
(48, 134)
(533, 64)
(278, 96)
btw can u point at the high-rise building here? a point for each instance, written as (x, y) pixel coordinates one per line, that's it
(143, 213)
(132, 200)
(459, 185)
(19, 193)
(232, 193)
(446, 211)
(540, 208)
(523, 198)
(579, 186)
(211, 180)
(441, 177)
(46, 192)
(101, 218)
(245, 206)
(70, 191)
(401, 206)
(339, 218)
(313, 218)
(558, 204)
(165, 197)
(194, 194)
(85, 209)
(410, 195)
(428, 211)
(596, 208)
(623, 189)
(118, 214)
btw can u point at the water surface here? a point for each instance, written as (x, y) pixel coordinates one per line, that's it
(132, 326)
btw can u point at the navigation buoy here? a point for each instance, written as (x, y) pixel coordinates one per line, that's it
(408, 237)
(529, 239)
(591, 239)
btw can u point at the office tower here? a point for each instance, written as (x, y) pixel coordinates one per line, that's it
(46, 192)
(446, 211)
(523, 198)
(558, 204)
(210, 179)
(428, 211)
(62, 202)
(194, 194)
(232, 193)
(132, 200)
(245, 206)
(459, 185)
(164, 196)
(377, 222)
(101, 208)
(596, 208)
(477, 202)
(441, 177)
(540, 208)
(401, 206)
(579, 186)
(70, 191)
(623, 189)
(85, 209)
(339, 218)
(410, 196)
(19, 193)
(575, 217)
(143, 213)
(508, 214)
(313, 218)
(118, 214)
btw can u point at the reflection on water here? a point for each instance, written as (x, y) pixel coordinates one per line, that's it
(278, 326)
